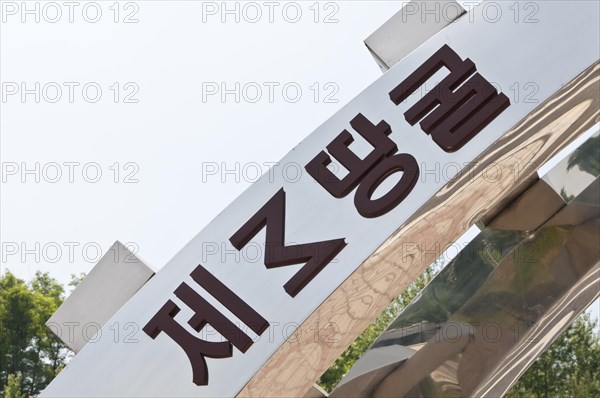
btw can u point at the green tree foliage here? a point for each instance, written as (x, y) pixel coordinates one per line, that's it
(13, 387)
(587, 157)
(76, 280)
(27, 347)
(570, 368)
(31, 356)
(342, 365)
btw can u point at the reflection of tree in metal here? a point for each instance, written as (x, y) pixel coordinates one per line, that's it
(459, 279)
(587, 157)
(478, 325)
(579, 169)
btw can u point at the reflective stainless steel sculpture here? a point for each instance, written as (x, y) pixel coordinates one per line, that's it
(496, 307)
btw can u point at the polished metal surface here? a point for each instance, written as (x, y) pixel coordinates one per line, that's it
(574, 173)
(159, 367)
(107, 287)
(412, 26)
(315, 392)
(528, 212)
(495, 308)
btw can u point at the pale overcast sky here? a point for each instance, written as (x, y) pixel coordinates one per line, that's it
(132, 96)
(172, 140)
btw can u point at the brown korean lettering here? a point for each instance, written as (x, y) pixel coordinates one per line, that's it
(196, 349)
(458, 108)
(376, 135)
(315, 255)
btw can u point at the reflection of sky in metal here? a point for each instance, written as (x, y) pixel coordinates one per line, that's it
(533, 291)
(572, 184)
(571, 180)
(566, 151)
(533, 271)
(553, 171)
(453, 250)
